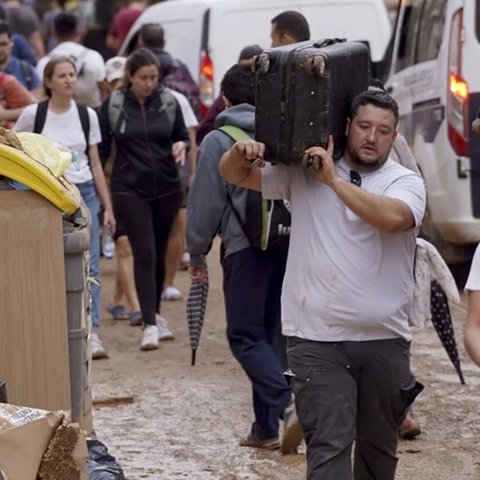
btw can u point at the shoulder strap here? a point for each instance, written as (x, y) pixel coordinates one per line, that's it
(85, 121)
(169, 103)
(80, 61)
(40, 117)
(115, 105)
(25, 66)
(235, 133)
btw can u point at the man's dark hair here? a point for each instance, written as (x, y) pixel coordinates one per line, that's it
(152, 35)
(65, 24)
(5, 28)
(105, 13)
(292, 23)
(377, 99)
(3, 13)
(238, 85)
(166, 62)
(248, 52)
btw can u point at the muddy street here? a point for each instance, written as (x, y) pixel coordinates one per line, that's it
(185, 422)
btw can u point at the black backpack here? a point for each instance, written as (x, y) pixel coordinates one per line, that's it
(267, 222)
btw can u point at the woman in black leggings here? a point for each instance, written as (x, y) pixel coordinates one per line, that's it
(145, 124)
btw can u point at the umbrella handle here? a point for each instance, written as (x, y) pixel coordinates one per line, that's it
(194, 356)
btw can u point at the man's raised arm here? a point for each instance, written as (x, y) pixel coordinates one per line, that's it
(241, 164)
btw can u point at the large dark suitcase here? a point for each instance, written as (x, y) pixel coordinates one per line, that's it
(303, 94)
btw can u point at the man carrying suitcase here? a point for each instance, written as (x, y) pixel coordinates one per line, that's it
(347, 290)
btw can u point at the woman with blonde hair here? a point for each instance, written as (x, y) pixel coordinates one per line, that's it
(76, 127)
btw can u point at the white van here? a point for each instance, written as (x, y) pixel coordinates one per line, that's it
(208, 35)
(435, 78)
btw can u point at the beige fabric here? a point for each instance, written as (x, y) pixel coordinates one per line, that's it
(429, 265)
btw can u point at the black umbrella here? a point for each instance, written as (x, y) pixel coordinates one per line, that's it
(196, 305)
(442, 321)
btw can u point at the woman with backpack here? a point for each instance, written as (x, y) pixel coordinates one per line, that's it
(76, 127)
(143, 123)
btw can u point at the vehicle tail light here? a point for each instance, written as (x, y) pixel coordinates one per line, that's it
(457, 94)
(206, 83)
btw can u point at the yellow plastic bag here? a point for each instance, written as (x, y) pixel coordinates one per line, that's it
(45, 152)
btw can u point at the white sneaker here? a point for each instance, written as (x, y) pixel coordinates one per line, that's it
(96, 345)
(171, 293)
(149, 338)
(163, 332)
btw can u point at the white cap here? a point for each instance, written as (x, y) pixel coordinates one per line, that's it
(114, 68)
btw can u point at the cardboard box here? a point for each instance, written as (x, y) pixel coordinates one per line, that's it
(40, 444)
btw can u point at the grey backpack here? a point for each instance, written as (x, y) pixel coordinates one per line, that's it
(117, 99)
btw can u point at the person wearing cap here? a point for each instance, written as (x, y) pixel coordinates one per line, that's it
(125, 281)
(114, 71)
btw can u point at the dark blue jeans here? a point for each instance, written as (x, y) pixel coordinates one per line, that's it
(252, 287)
(89, 195)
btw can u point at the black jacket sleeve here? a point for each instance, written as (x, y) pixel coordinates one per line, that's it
(105, 146)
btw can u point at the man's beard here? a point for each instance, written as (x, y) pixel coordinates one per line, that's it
(366, 165)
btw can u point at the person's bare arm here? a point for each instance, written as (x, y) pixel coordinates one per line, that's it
(472, 327)
(103, 90)
(236, 164)
(36, 40)
(113, 42)
(388, 214)
(10, 114)
(192, 153)
(102, 188)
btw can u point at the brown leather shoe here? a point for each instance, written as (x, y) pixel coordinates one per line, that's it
(410, 427)
(266, 443)
(292, 430)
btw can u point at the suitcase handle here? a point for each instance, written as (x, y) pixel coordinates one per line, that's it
(329, 41)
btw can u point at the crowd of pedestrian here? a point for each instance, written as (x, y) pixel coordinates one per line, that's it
(333, 367)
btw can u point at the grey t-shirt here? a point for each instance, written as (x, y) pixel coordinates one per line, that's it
(345, 279)
(22, 19)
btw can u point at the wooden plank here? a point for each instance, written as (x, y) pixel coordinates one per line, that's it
(33, 318)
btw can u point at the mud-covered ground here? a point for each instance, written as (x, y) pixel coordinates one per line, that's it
(186, 421)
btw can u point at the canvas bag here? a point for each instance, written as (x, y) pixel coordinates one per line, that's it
(267, 222)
